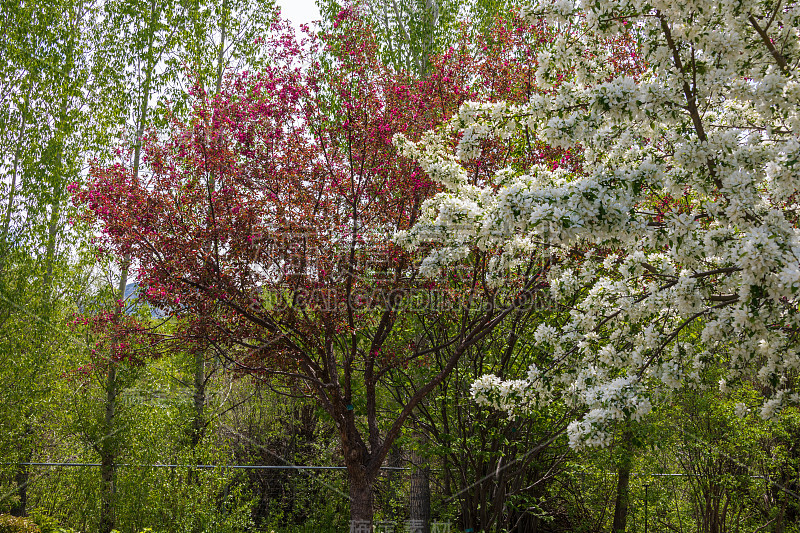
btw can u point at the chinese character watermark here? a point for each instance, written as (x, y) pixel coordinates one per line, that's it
(389, 526)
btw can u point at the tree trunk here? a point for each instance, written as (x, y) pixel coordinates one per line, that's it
(623, 481)
(420, 495)
(108, 455)
(20, 508)
(621, 507)
(432, 18)
(4, 240)
(221, 50)
(52, 234)
(22, 476)
(360, 504)
(108, 448)
(55, 216)
(781, 498)
(199, 422)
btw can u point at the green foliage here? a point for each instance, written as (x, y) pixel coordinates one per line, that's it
(214, 38)
(409, 32)
(46, 523)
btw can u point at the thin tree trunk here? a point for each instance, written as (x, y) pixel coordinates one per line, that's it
(55, 216)
(199, 419)
(4, 240)
(108, 448)
(22, 477)
(420, 495)
(780, 519)
(623, 481)
(199, 423)
(621, 506)
(108, 455)
(52, 234)
(432, 18)
(148, 76)
(221, 51)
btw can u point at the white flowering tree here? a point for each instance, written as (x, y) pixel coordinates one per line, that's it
(675, 247)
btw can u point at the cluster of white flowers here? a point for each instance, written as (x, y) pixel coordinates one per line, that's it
(691, 174)
(607, 401)
(512, 396)
(741, 410)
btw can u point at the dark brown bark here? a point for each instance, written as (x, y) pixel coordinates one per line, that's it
(361, 500)
(623, 482)
(765, 38)
(21, 477)
(780, 523)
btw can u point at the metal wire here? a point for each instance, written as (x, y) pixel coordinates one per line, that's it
(243, 467)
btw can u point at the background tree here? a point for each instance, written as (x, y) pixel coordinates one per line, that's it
(325, 328)
(52, 120)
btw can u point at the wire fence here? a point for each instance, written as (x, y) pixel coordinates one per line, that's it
(165, 465)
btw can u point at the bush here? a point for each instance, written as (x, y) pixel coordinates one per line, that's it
(17, 524)
(47, 524)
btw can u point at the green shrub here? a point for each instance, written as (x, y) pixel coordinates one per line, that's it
(16, 524)
(46, 524)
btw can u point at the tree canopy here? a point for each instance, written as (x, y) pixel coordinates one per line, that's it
(676, 247)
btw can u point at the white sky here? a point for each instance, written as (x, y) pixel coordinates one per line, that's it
(299, 11)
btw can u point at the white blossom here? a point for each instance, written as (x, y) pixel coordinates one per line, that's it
(691, 177)
(740, 410)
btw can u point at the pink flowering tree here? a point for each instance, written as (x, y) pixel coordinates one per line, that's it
(266, 223)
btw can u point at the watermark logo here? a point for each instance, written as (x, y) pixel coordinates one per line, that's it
(391, 526)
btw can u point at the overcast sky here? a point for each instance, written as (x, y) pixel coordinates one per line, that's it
(299, 11)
